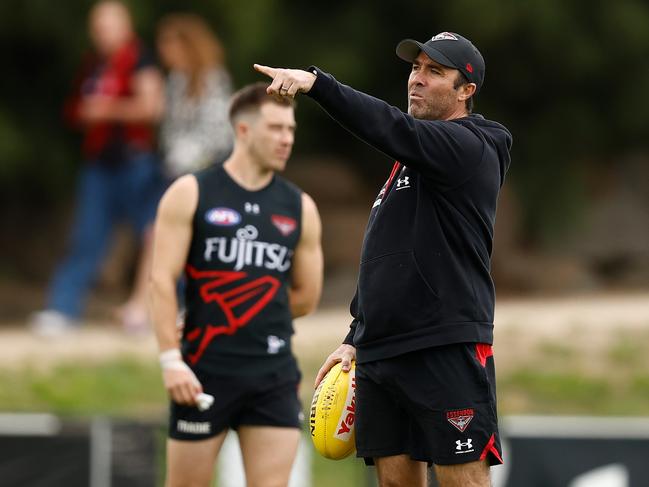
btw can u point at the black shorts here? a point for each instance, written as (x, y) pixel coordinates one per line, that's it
(437, 405)
(266, 400)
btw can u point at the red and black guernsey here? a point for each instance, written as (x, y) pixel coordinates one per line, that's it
(238, 320)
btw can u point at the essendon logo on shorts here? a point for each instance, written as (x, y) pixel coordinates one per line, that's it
(460, 418)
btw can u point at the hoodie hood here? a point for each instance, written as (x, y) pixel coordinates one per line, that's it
(500, 137)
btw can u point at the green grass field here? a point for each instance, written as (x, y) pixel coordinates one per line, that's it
(554, 378)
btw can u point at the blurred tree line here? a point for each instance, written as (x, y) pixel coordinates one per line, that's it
(568, 77)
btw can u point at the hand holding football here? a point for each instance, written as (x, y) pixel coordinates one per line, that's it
(333, 411)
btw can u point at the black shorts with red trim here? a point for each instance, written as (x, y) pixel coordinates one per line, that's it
(264, 400)
(437, 405)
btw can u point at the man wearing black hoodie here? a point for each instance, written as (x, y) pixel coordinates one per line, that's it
(424, 306)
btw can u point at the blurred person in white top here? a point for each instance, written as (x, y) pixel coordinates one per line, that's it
(195, 130)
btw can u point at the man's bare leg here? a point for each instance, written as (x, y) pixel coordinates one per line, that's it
(268, 454)
(473, 474)
(191, 463)
(400, 471)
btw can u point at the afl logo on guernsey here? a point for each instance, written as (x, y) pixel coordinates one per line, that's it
(225, 217)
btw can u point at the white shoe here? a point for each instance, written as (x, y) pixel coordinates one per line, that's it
(51, 324)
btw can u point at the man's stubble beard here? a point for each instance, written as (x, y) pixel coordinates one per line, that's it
(426, 112)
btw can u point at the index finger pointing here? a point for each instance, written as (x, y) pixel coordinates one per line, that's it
(267, 70)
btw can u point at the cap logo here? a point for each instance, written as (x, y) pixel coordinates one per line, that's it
(444, 36)
(469, 68)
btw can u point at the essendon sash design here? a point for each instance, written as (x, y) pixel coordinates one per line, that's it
(238, 303)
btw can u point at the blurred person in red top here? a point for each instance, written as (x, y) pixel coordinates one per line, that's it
(116, 103)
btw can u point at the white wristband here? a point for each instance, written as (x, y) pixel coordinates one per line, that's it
(172, 359)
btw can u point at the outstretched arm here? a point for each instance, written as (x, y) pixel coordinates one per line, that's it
(446, 151)
(306, 277)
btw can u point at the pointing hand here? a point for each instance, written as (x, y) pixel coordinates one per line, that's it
(287, 82)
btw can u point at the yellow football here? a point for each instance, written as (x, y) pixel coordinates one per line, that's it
(333, 411)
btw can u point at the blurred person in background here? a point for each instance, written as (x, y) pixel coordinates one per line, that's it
(248, 242)
(116, 103)
(195, 130)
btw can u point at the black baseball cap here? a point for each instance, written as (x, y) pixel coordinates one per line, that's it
(448, 49)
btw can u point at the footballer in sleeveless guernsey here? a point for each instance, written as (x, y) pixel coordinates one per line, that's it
(238, 319)
(247, 243)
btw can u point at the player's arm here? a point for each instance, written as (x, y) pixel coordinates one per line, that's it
(306, 277)
(145, 105)
(172, 238)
